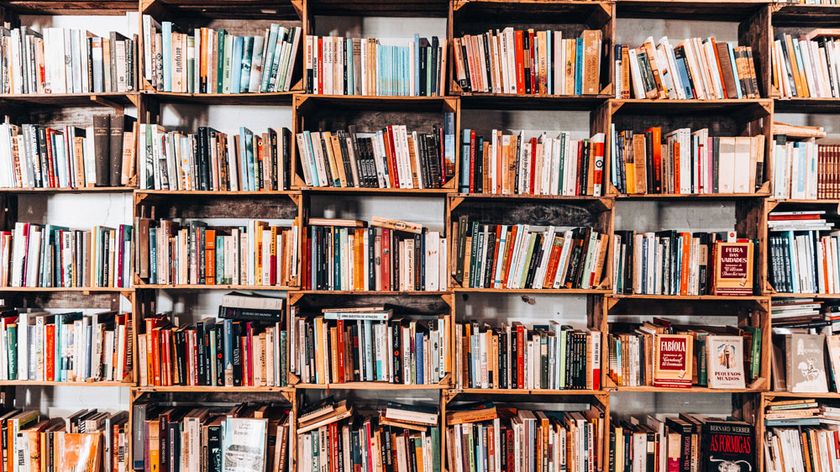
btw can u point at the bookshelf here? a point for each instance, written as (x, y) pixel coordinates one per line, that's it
(755, 24)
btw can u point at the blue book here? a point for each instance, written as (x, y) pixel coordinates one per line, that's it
(416, 64)
(682, 70)
(166, 39)
(731, 52)
(247, 54)
(449, 143)
(337, 258)
(418, 350)
(251, 159)
(792, 422)
(368, 350)
(268, 60)
(243, 161)
(579, 66)
(228, 344)
(236, 64)
(313, 172)
(549, 58)
(794, 269)
(464, 180)
(350, 83)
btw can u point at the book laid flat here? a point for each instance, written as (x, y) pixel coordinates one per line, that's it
(663, 353)
(529, 62)
(230, 352)
(520, 439)
(805, 170)
(386, 255)
(533, 164)
(212, 160)
(391, 157)
(683, 161)
(803, 256)
(34, 255)
(195, 253)
(693, 68)
(513, 356)
(208, 60)
(65, 60)
(371, 346)
(100, 153)
(396, 66)
(65, 347)
(519, 256)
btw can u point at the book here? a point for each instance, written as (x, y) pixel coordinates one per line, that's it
(804, 66)
(672, 360)
(396, 66)
(726, 361)
(806, 363)
(213, 60)
(727, 442)
(799, 433)
(804, 169)
(245, 444)
(792, 235)
(733, 268)
(249, 306)
(529, 62)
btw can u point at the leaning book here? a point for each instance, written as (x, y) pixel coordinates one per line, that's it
(245, 444)
(725, 361)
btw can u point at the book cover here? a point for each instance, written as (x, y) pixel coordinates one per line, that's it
(806, 363)
(244, 444)
(672, 359)
(727, 446)
(733, 273)
(725, 358)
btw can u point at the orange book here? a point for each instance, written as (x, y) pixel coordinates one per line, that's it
(495, 258)
(358, 262)
(339, 351)
(49, 355)
(676, 153)
(686, 262)
(155, 351)
(511, 241)
(272, 258)
(210, 257)
(520, 66)
(553, 260)
(74, 449)
(656, 154)
(499, 163)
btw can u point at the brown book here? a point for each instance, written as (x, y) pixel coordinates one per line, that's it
(726, 69)
(101, 145)
(650, 51)
(129, 156)
(592, 61)
(115, 149)
(472, 416)
(625, 72)
(397, 225)
(640, 161)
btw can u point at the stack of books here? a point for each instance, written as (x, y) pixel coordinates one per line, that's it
(48, 256)
(384, 255)
(674, 262)
(521, 256)
(802, 259)
(369, 344)
(252, 436)
(391, 157)
(194, 253)
(400, 66)
(212, 160)
(802, 434)
(664, 354)
(229, 353)
(689, 442)
(335, 436)
(799, 360)
(529, 62)
(513, 164)
(99, 154)
(695, 68)
(206, 60)
(685, 162)
(86, 440)
(806, 67)
(65, 60)
(805, 170)
(65, 347)
(804, 313)
(552, 357)
(507, 438)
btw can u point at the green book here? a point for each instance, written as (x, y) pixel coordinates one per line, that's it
(220, 65)
(283, 360)
(755, 355)
(435, 433)
(473, 253)
(526, 262)
(11, 342)
(700, 349)
(226, 59)
(191, 65)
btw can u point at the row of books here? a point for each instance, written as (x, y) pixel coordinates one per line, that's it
(392, 157)
(529, 62)
(212, 160)
(369, 344)
(681, 263)
(99, 154)
(806, 315)
(382, 255)
(398, 66)
(695, 68)
(86, 440)
(801, 434)
(229, 353)
(238, 438)
(805, 170)
(34, 255)
(686, 162)
(207, 60)
(194, 253)
(688, 442)
(338, 436)
(65, 347)
(490, 437)
(806, 66)
(803, 252)
(551, 356)
(540, 165)
(65, 60)
(521, 256)
(665, 354)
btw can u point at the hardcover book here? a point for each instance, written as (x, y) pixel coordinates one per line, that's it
(733, 268)
(727, 445)
(725, 357)
(245, 441)
(672, 357)
(806, 363)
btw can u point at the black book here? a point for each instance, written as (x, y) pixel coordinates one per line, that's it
(249, 314)
(214, 448)
(200, 347)
(479, 166)
(220, 355)
(396, 349)
(424, 54)
(730, 442)
(179, 337)
(536, 258)
(684, 429)
(463, 222)
(237, 354)
(115, 147)
(465, 83)
(174, 437)
(286, 140)
(433, 87)
(371, 260)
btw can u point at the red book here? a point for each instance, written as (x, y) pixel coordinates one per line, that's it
(50, 161)
(472, 161)
(49, 371)
(166, 356)
(511, 240)
(520, 356)
(390, 157)
(340, 350)
(495, 259)
(533, 164)
(248, 350)
(320, 65)
(520, 65)
(272, 256)
(553, 260)
(154, 349)
(656, 153)
(386, 259)
(307, 268)
(333, 447)
(532, 60)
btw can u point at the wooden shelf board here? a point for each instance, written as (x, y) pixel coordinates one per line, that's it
(368, 293)
(209, 388)
(68, 99)
(404, 8)
(689, 9)
(806, 15)
(535, 291)
(821, 296)
(690, 297)
(802, 201)
(807, 105)
(228, 9)
(561, 198)
(506, 101)
(593, 13)
(674, 107)
(44, 383)
(513, 391)
(693, 196)
(63, 7)
(218, 193)
(377, 191)
(262, 98)
(66, 289)
(68, 190)
(649, 389)
(372, 102)
(212, 287)
(369, 386)
(828, 395)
